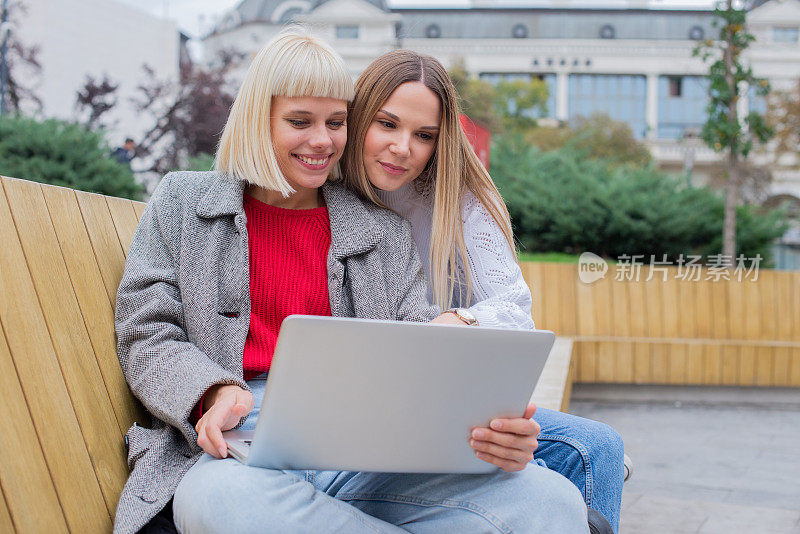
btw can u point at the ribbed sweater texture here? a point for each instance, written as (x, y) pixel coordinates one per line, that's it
(288, 274)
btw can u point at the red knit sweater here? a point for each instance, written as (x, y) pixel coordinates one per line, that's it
(288, 275)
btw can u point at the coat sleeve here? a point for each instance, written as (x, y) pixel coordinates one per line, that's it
(408, 278)
(165, 370)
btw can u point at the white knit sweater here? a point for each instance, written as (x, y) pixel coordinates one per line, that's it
(500, 297)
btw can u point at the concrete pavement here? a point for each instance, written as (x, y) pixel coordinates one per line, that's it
(706, 459)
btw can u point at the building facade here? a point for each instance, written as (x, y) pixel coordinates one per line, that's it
(80, 38)
(629, 59)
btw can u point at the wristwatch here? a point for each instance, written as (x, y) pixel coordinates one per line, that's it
(465, 315)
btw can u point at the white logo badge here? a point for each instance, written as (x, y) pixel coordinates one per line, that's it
(591, 268)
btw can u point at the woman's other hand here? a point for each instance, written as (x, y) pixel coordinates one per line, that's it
(449, 318)
(227, 405)
(507, 443)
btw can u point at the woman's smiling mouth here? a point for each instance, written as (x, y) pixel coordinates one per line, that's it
(393, 169)
(314, 162)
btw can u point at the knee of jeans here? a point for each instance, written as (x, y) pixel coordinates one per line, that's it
(604, 442)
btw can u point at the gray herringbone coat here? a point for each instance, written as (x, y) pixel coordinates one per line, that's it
(183, 310)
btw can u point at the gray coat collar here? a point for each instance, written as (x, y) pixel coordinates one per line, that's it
(354, 229)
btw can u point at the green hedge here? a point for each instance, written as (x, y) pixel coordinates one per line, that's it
(560, 201)
(64, 154)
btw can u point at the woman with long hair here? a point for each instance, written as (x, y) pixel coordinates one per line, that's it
(406, 151)
(218, 261)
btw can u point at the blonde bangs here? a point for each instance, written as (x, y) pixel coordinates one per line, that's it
(293, 64)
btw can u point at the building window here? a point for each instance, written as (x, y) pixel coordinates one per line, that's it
(621, 97)
(675, 86)
(784, 35)
(696, 33)
(519, 31)
(433, 31)
(607, 32)
(347, 32)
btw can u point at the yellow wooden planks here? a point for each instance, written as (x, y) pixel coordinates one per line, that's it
(793, 286)
(125, 220)
(765, 362)
(729, 365)
(641, 363)
(138, 208)
(606, 362)
(105, 243)
(567, 277)
(533, 276)
(794, 371)
(720, 311)
(624, 362)
(677, 363)
(98, 315)
(26, 483)
(550, 315)
(747, 366)
(675, 315)
(782, 366)
(44, 388)
(84, 381)
(587, 361)
(6, 525)
(712, 364)
(659, 358)
(694, 363)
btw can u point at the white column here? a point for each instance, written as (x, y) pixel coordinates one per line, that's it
(652, 106)
(562, 96)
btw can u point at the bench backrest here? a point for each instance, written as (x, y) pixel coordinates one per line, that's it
(65, 402)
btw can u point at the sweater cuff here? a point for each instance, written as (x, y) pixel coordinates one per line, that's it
(198, 410)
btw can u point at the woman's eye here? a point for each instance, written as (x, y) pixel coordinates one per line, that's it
(425, 136)
(297, 123)
(335, 125)
(386, 124)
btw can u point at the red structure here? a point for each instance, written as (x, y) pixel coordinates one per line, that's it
(479, 137)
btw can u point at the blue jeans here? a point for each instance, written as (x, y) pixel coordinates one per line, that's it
(588, 453)
(227, 496)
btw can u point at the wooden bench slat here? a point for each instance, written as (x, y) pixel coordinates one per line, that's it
(138, 208)
(98, 315)
(70, 338)
(105, 243)
(125, 220)
(45, 389)
(6, 525)
(29, 495)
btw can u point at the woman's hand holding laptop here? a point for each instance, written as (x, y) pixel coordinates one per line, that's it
(225, 406)
(507, 443)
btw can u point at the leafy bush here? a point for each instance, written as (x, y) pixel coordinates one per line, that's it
(63, 154)
(199, 162)
(562, 202)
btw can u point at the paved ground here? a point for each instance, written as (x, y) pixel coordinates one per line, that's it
(706, 459)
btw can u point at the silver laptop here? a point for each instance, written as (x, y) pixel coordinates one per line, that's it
(388, 396)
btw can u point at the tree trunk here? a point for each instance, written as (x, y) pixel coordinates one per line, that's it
(732, 184)
(731, 201)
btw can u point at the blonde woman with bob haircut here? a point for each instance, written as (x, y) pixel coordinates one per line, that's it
(406, 151)
(218, 261)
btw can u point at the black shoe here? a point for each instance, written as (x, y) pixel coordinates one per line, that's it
(598, 524)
